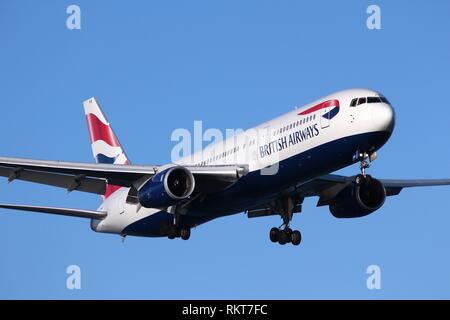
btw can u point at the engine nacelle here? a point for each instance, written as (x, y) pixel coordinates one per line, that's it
(363, 197)
(166, 188)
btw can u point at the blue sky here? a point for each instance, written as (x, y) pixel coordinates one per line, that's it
(159, 65)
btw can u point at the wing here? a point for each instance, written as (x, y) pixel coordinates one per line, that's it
(92, 178)
(328, 186)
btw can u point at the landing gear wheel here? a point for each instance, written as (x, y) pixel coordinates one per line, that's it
(283, 237)
(274, 234)
(172, 232)
(296, 237)
(185, 233)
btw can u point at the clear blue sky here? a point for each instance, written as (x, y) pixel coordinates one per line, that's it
(159, 65)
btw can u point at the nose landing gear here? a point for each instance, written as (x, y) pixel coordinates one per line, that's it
(365, 160)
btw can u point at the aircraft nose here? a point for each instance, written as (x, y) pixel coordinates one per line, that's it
(383, 116)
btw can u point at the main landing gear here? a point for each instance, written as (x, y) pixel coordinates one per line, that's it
(174, 232)
(176, 229)
(284, 234)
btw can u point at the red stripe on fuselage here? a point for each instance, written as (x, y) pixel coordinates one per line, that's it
(322, 105)
(100, 131)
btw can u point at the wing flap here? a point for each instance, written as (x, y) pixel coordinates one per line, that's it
(85, 184)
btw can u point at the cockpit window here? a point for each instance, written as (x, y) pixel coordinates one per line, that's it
(383, 99)
(361, 101)
(373, 100)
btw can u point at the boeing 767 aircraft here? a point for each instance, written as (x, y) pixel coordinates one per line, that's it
(266, 170)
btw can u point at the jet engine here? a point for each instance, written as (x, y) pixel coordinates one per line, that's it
(363, 197)
(166, 188)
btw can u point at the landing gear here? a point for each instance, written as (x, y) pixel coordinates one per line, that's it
(176, 229)
(174, 232)
(286, 235)
(365, 160)
(185, 233)
(296, 237)
(285, 207)
(274, 234)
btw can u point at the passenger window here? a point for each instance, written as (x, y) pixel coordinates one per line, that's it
(353, 103)
(361, 101)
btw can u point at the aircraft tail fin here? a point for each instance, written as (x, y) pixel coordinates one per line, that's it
(105, 144)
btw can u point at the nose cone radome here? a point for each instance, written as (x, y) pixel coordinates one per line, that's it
(384, 117)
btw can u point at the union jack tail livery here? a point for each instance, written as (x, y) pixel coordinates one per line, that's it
(105, 145)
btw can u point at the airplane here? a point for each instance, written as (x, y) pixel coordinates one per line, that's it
(266, 170)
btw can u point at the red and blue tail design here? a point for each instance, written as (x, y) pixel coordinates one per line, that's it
(105, 145)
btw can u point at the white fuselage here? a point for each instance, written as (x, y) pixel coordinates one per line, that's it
(271, 143)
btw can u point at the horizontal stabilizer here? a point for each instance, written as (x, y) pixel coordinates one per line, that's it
(60, 211)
